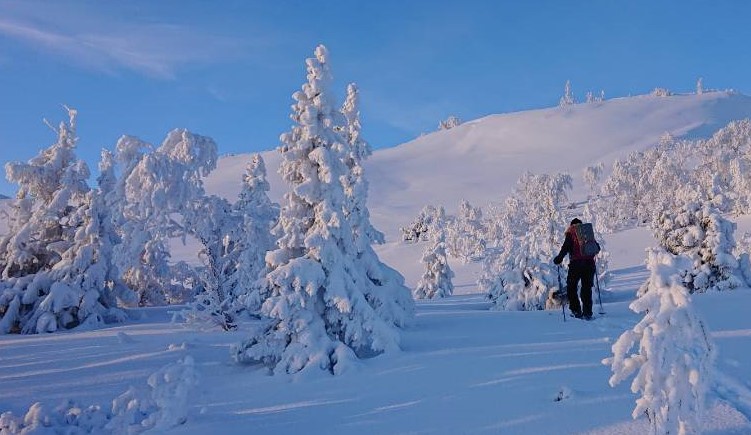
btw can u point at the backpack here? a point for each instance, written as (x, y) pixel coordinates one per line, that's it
(585, 237)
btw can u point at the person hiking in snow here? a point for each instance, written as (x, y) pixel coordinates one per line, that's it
(581, 268)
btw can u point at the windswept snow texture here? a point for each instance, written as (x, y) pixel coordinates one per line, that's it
(463, 368)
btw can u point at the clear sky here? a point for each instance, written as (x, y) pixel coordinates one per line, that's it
(227, 69)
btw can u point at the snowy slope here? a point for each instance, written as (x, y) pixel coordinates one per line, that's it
(481, 160)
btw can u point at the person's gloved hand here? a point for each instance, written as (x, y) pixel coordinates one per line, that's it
(557, 260)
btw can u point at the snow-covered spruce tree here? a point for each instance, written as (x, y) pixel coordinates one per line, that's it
(384, 288)
(51, 186)
(520, 274)
(436, 280)
(162, 199)
(319, 316)
(699, 232)
(700, 86)
(62, 275)
(465, 235)
(259, 215)
(568, 96)
(419, 230)
(673, 364)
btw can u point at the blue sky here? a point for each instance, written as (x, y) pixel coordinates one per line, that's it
(228, 69)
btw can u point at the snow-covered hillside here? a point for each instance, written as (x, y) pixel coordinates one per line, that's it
(481, 160)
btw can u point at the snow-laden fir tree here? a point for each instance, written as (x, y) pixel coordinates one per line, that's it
(700, 86)
(384, 287)
(318, 314)
(568, 96)
(436, 280)
(259, 215)
(51, 186)
(58, 270)
(673, 365)
(465, 234)
(699, 232)
(517, 271)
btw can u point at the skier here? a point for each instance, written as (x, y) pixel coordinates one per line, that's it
(581, 267)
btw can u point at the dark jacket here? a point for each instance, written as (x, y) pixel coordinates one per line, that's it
(572, 248)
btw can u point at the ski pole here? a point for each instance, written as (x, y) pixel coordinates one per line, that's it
(560, 291)
(599, 297)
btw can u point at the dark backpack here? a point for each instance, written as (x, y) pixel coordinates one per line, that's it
(585, 238)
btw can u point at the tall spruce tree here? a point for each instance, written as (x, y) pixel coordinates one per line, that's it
(319, 316)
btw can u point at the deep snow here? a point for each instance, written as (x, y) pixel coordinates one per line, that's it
(463, 368)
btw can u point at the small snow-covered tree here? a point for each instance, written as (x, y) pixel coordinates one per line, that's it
(520, 274)
(318, 315)
(436, 280)
(699, 232)
(420, 229)
(218, 231)
(259, 214)
(592, 175)
(568, 96)
(465, 234)
(449, 123)
(700, 86)
(672, 368)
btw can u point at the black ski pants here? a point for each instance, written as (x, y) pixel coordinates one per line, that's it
(584, 271)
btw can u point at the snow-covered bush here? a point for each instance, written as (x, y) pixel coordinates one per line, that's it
(420, 229)
(449, 123)
(436, 280)
(517, 270)
(672, 367)
(132, 412)
(319, 315)
(699, 232)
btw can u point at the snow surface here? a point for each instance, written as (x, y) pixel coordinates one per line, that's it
(463, 368)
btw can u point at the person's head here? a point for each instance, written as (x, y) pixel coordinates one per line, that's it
(576, 221)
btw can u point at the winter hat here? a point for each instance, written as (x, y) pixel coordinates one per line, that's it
(576, 221)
